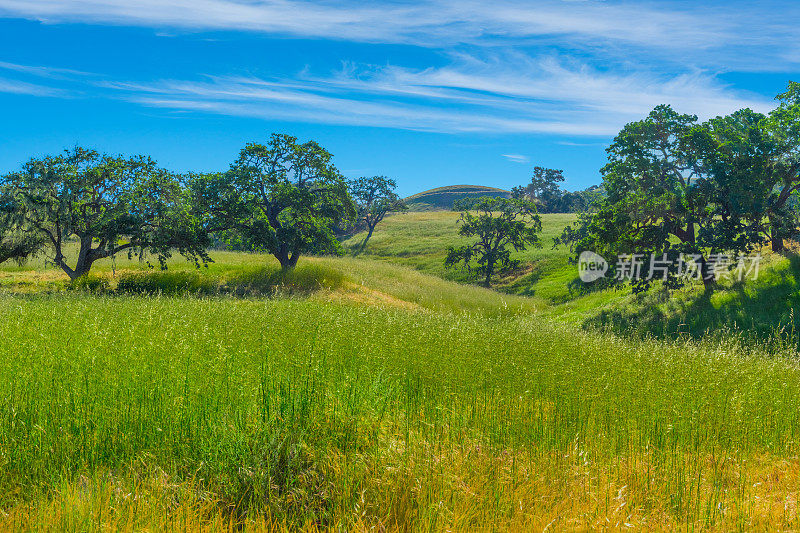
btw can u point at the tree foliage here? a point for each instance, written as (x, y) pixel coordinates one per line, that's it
(497, 226)
(283, 197)
(15, 243)
(783, 127)
(374, 198)
(677, 187)
(109, 204)
(544, 190)
(544, 183)
(574, 201)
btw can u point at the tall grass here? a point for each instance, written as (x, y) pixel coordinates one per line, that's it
(141, 412)
(388, 400)
(758, 311)
(405, 285)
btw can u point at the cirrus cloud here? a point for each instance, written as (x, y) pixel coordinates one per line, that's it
(517, 158)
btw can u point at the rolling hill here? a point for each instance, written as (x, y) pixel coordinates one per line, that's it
(451, 405)
(442, 198)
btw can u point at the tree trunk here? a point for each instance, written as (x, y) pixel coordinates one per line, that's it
(777, 243)
(85, 260)
(709, 282)
(688, 236)
(364, 242)
(776, 236)
(776, 239)
(288, 261)
(82, 265)
(283, 260)
(82, 269)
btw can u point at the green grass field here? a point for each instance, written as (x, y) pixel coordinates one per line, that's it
(391, 398)
(420, 240)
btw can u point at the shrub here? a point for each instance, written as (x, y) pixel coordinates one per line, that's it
(271, 280)
(89, 283)
(254, 281)
(168, 283)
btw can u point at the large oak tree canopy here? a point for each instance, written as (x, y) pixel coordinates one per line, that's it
(283, 197)
(676, 186)
(109, 204)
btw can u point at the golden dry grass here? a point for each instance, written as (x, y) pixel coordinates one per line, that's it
(457, 488)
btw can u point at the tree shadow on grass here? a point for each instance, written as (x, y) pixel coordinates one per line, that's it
(521, 280)
(761, 310)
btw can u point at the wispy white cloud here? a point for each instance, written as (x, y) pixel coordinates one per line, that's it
(559, 67)
(433, 21)
(42, 72)
(513, 78)
(39, 80)
(314, 102)
(33, 89)
(680, 30)
(316, 109)
(508, 93)
(496, 92)
(517, 158)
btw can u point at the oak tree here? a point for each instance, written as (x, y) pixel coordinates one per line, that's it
(679, 188)
(283, 197)
(496, 226)
(543, 189)
(375, 198)
(102, 205)
(783, 127)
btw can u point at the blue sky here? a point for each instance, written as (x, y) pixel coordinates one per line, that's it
(430, 93)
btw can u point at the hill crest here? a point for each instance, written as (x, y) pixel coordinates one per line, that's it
(442, 198)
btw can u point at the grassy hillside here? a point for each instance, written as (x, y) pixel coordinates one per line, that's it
(342, 279)
(394, 399)
(442, 198)
(397, 402)
(407, 246)
(762, 309)
(420, 240)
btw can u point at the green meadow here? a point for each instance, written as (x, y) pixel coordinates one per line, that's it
(420, 240)
(384, 393)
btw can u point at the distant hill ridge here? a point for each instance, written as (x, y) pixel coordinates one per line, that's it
(442, 198)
